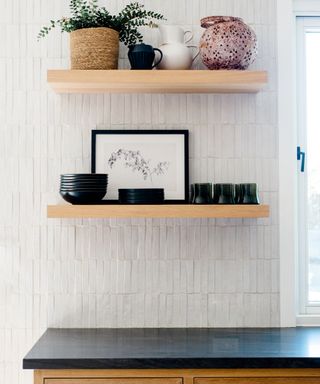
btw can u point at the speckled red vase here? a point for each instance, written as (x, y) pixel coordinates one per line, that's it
(227, 43)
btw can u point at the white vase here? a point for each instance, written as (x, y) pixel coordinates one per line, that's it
(176, 54)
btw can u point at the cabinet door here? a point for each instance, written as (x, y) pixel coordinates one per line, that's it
(114, 381)
(258, 380)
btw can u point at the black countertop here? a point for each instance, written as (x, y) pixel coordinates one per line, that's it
(176, 348)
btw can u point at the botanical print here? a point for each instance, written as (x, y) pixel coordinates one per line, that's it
(137, 163)
(137, 159)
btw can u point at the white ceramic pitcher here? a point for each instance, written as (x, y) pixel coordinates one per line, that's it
(176, 54)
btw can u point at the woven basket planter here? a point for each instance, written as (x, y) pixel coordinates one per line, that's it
(94, 48)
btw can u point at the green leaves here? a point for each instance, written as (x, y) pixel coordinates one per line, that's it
(87, 14)
(130, 18)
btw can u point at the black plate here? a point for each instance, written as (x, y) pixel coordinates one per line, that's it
(141, 198)
(140, 190)
(141, 194)
(142, 203)
(146, 201)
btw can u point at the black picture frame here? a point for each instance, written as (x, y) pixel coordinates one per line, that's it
(185, 133)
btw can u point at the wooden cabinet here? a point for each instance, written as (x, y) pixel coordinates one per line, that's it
(259, 380)
(220, 380)
(114, 381)
(178, 376)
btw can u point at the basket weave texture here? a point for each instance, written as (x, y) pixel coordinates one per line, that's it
(94, 48)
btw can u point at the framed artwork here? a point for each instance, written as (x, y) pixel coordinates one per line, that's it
(143, 159)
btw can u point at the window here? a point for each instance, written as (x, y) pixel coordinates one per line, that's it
(308, 97)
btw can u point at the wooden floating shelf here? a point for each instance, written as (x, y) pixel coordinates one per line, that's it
(157, 211)
(156, 81)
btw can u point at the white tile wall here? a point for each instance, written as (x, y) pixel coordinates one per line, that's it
(128, 273)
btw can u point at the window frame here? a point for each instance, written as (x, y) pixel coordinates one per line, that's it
(287, 165)
(287, 13)
(304, 25)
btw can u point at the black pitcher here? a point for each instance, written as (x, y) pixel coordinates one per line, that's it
(141, 56)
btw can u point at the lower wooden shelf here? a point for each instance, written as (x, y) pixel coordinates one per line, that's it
(157, 211)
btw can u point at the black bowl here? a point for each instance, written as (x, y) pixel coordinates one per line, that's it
(84, 180)
(83, 190)
(76, 180)
(85, 175)
(90, 187)
(85, 185)
(81, 183)
(81, 197)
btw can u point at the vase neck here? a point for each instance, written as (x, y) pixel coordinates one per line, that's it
(213, 20)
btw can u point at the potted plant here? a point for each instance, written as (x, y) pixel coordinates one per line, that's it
(95, 33)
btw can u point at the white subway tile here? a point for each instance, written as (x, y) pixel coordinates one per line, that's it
(111, 273)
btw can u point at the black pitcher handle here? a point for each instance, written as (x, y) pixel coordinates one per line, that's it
(161, 56)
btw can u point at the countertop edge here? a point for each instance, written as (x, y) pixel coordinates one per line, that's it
(175, 363)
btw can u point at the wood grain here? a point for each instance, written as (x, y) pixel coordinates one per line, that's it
(259, 380)
(114, 381)
(157, 211)
(179, 81)
(38, 377)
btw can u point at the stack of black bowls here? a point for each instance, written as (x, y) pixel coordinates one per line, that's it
(83, 188)
(141, 196)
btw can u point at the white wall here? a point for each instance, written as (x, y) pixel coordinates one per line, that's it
(129, 273)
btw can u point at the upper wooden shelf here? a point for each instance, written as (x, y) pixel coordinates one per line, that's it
(156, 81)
(158, 211)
